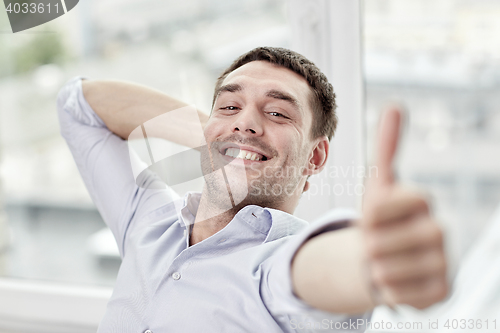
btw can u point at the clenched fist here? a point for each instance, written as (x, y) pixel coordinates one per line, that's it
(403, 243)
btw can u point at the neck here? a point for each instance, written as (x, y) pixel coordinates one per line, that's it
(212, 216)
(210, 219)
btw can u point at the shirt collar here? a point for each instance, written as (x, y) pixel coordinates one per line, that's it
(189, 208)
(283, 224)
(273, 223)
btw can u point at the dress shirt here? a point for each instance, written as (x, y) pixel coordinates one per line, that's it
(237, 280)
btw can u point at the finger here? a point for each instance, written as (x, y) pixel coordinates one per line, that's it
(399, 204)
(408, 266)
(388, 137)
(418, 233)
(419, 293)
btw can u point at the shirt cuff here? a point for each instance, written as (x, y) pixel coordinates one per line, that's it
(285, 302)
(71, 101)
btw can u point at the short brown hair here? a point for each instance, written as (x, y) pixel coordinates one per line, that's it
(323, 97)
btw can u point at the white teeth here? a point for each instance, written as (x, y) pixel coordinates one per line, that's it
(247, 155)
(233, 152)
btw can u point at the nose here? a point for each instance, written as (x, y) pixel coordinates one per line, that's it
(248, 122)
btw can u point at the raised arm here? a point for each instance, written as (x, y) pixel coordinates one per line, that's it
(104, 159)
(124, 106)
(394, 254)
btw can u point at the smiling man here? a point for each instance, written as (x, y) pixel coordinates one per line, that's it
(245, 263)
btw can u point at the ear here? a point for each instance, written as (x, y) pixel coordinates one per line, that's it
(318, 156)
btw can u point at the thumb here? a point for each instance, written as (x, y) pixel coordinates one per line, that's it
(387, 144)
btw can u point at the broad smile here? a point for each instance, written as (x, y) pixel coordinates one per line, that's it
(248, 154)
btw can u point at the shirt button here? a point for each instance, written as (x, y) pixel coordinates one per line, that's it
(176, 276)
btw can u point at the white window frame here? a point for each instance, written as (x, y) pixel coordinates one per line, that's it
(329, 33)
(39, 307)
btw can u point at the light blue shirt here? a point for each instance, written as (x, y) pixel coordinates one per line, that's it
(237, 280)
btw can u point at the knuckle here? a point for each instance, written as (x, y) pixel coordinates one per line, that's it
(432, 234)
(421, 305)
(435, 234)
(438, 267)
(371, 250)
(420, 204)
(398, 298)
(441, 265)
(379, 276)
(418, 304)
(437, 292)
(383, 276)
(376, 213)
(373, 253)
(435, 261)
(373, 247)
(413, 197)
(441, 290)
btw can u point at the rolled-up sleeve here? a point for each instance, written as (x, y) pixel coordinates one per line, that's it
(282, 302)
(104, 162)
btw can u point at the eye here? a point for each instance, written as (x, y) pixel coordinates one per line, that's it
(277, 114)
(230, 108)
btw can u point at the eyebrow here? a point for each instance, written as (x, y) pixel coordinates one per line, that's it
(277, 94)
(283, 96)
(232, 87)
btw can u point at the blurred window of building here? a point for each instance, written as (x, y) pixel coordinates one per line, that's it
(440, 59)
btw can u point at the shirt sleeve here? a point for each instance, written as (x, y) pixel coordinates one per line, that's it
(282, 302)
(105, 164)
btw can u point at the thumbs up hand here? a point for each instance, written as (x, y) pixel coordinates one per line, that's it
(404, 245)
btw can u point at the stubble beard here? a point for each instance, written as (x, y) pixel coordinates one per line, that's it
(271, 187)
(263, 191)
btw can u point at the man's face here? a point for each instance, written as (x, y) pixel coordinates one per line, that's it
(262, 116)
